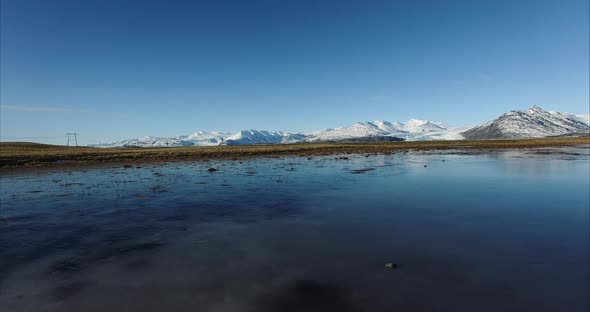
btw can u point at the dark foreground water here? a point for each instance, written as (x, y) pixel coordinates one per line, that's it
(499, 231)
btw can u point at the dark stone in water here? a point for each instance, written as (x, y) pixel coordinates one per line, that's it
(137, 264)
(211, 169)
(357, 171)
(127, 166)
(157, 189)
(68, 290)
(121, 251)
(139, 247)
(65, 266)
(309, 296)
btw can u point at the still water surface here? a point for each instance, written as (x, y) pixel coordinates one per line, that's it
(497, 231)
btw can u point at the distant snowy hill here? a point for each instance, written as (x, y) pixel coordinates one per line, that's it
(147, 141)
(532, 123)
(206, 138)
(421, 126)
(246, 137)
(357, 130)
(411, 130)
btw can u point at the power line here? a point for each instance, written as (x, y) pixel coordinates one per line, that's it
(72, 134)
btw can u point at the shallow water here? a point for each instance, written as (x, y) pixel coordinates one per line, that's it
(497, 231)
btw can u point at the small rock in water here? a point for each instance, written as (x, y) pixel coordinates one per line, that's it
(443, 160)
(357, 171)
(391, 266)
(157, 189)
(211, 169)
(425, 166)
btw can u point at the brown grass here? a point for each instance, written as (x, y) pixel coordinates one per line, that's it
(14, 155)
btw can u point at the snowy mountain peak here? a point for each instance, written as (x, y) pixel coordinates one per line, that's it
(535, 109)
(417, 125)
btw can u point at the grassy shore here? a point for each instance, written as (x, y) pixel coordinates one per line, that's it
(15, 155)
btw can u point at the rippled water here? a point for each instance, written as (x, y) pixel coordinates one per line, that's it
(497, 231)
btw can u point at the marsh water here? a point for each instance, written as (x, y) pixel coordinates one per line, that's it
(503, 230)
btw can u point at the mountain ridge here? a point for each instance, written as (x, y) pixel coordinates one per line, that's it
(534, 122)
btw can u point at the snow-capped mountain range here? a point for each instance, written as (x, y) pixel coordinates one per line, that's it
(533, 122)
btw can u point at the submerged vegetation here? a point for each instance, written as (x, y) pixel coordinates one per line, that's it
(14, 155)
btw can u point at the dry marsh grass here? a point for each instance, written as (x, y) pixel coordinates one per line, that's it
(22, 154)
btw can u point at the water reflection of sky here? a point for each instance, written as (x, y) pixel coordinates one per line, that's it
(503, 227)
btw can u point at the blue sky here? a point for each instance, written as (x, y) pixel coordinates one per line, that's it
(123, 69)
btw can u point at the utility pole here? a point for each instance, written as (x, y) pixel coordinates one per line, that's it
(72, 134)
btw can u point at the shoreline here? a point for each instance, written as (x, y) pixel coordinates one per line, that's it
(14, 156)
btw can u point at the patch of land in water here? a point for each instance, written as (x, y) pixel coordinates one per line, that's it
(22, 154)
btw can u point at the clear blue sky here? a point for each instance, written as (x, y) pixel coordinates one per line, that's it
(122, 69)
